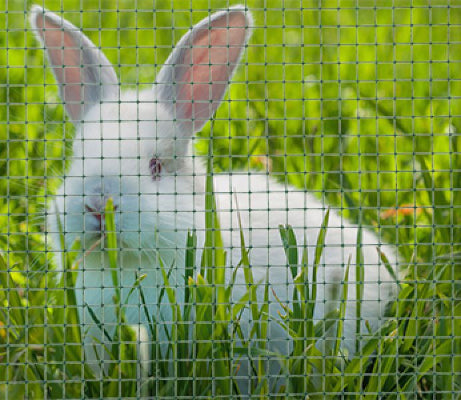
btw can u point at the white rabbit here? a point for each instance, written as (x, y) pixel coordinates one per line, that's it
(136, 148)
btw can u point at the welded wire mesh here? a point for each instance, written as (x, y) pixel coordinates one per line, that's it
(304, 243)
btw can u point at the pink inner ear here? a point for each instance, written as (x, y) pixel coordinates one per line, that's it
(208, 66)
(65, 56)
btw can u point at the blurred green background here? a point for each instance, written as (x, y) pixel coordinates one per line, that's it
(357, 100)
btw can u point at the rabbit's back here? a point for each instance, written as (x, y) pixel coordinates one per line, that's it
(263, 205)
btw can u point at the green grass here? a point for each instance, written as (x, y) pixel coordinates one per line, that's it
(361, 104)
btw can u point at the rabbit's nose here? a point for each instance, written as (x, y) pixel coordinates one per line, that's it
(98, 213)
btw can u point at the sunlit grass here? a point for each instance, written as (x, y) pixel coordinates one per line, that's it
(410, 353)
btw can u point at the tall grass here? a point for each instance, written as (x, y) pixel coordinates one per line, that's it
(410, 354)
(358, 101)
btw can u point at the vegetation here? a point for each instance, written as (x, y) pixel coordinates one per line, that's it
(356, 101)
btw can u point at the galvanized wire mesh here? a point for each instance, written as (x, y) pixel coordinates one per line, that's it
(302, 244)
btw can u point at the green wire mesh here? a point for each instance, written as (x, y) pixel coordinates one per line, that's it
(356, 102)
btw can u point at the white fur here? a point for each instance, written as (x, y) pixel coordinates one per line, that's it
(116, 138)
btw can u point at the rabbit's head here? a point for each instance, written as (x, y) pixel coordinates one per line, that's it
(136, 147)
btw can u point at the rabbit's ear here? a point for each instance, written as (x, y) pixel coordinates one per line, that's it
(84, 74)
(195, 77)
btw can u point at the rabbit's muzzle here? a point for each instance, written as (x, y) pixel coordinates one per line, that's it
(93, 206)
(98, 214)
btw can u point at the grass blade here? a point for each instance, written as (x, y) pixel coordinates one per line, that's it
(342, 309)
(359, 282)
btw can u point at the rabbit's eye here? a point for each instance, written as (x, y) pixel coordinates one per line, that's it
(155, 167)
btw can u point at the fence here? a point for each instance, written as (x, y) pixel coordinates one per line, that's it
(305, 243)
